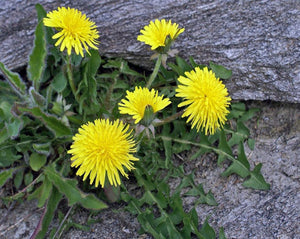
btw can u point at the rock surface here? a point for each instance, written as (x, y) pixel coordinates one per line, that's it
(258, 40)
(242, 212)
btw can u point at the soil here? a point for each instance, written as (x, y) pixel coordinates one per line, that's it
(244, 213)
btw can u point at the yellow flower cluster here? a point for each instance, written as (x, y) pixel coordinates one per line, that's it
(102, 149)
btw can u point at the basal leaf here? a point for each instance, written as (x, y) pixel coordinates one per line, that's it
(53, 50)
(251, 143)
(224, 149)
(37, 97)
(3, 135)
(5, 175)
(207, 231)
(202, 150)
(177, 209)
(201, 196)
(147, 224)
(8, 156)
(256, 180)
(51, 122)
(5, 108)
(28, 178)
(42, 148)
(14, 127)
(249, 114)
(237, 110)
(18, 179)
(192, 62)
(93, 63)
(190, 222)
(14, 79)
(241, 133)
(239, 166)
(36, 161)
(125, 69)
(220, 71)
(168, 151)
(37, 57)
(59, 82)
(68, 187)
(51, 206)
(41, 13)
(42, 193)
(183, 65)
(222, 233)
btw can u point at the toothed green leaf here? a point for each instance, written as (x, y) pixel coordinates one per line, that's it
(256, 180)
(69, 188)
(14, 79)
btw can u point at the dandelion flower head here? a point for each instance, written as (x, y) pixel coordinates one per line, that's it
(139, 99)
(206, 98)
(75, 30)
(156, 33)
(102, 149)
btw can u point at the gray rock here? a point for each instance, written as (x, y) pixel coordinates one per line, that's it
(258, 40)
(274, 213)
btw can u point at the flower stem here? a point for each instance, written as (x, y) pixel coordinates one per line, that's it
(112, 193)
(155, 71)
(70, 77)
(168, 119)
(109, 94)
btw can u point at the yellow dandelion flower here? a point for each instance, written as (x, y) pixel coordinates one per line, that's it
(156, 33)
(206, 98)
(101, 149)
(139, 99)
(74, 30)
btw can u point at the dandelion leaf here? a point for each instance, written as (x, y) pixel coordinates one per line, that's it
(68, 187)
(256, 180)
(239, 166)
(220, 71)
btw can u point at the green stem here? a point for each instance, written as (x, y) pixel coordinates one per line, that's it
(70, 77)
(218, 151)
(155, 71)
(168, 119)
(109, 94)
(63, 221)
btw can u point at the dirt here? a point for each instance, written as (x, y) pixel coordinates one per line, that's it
(244, 213)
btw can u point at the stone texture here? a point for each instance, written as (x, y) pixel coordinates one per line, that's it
(258, 40)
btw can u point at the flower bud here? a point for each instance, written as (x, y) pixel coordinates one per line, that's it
(148, 115)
